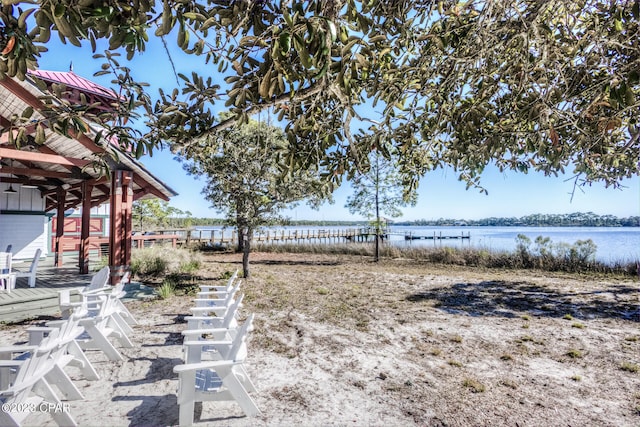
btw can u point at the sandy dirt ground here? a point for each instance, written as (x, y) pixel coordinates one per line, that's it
(340, 340)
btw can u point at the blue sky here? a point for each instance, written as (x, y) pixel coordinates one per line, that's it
(441, 195)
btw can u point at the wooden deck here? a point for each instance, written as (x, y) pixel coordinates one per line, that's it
(24, 302)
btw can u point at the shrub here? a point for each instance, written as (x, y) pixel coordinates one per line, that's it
(543, 248)
(190, 266)
(163, 260)
(166, 290)
(148, 266)
(522, 249)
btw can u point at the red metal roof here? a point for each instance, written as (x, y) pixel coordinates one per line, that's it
(72, 80)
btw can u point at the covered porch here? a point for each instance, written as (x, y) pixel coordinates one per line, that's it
(49, 174)
(24, 303)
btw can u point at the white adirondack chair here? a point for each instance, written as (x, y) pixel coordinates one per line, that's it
(102, 323)
(90, 297)
(7, 277)
(118, 292)
(31, 273)
(224, 379)
(65, 353)
(205, 290)
(30, 387)
(215, 305)
(226, 320)
(70, 329)
(97, 285)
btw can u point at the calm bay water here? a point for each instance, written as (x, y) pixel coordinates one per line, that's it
(615, 244)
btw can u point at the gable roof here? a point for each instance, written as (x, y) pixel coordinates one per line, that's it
(72, 80)
(64, 161)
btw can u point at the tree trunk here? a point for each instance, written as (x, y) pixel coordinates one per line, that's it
(241, 239)
(240, 226)
(377, 255)
(246, 248)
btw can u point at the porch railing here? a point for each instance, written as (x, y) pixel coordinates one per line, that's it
(101, 243)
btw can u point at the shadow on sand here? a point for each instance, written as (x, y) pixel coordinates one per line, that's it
(153, 410)
(278, 262)
(512, 299)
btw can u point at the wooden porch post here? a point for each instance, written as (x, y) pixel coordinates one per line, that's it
(120, 224)
(83, 256)
(127, 207)
(58, 249)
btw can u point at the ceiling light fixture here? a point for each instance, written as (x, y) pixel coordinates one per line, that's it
(10, 190)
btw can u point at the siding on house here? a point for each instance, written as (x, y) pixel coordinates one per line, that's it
(25, 199)
(26, 234)
(23, 223)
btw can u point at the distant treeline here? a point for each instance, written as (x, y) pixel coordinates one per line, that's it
(578, 219)
(191, 221)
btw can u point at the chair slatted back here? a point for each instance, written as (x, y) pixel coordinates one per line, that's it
(5, 262)
(238, 349)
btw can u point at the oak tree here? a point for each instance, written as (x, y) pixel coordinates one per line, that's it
(526, 84)
(247, 180)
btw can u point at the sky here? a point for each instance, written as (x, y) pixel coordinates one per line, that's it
(440, 194)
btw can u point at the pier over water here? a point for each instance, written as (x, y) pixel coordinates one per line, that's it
(226, 237)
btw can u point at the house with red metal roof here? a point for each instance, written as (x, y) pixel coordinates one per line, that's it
(39, 181)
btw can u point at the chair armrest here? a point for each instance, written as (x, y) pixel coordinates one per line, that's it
(37, 333)
(42, 328)
(206, 342)
(203, 318)
(11, 349)
(204, 365)
(217, 309)
(104, 289)
(72, 304)
(206, 331)
(11, 363)
(20, 273)
(216, 287)
(221, 293)
(210, 300)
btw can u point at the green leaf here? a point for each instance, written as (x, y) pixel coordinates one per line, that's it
(59, 10)
(285, 42)
(27, 113)
(618, 25)
(40, 134)
(332, 31)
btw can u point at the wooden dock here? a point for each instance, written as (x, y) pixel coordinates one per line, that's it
(435, 236)
(230, 237)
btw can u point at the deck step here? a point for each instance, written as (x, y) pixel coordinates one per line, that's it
(23, 304)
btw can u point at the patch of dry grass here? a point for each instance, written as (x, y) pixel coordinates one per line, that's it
(415, 333)
(474, 385)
